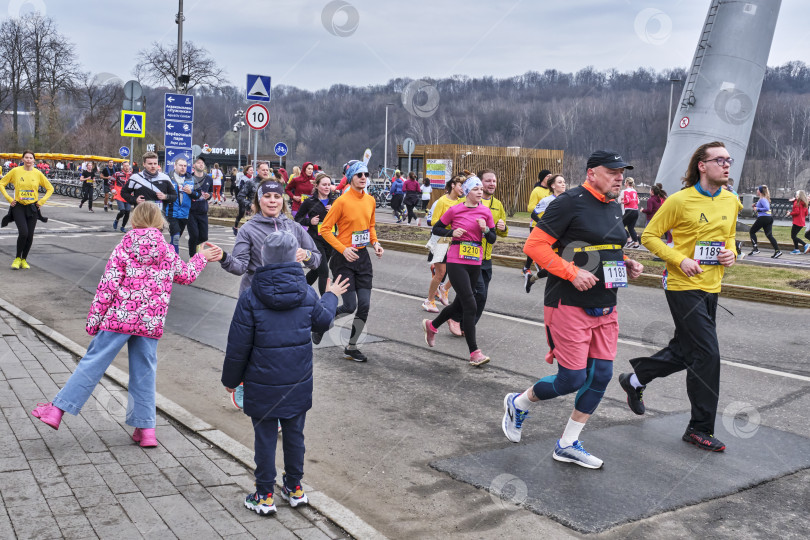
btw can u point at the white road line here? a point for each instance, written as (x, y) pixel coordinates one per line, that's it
(622, 341)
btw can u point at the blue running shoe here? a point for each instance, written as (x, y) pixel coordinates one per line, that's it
(513, 418)
(576, 454)
(795, 252)
(238, 396)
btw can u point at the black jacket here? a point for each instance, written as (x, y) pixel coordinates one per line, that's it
(206, 185)
(139, 184)
(310, 208)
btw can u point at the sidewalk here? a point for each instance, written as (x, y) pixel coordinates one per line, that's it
(89, 480)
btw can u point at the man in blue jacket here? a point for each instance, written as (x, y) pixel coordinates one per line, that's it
(270, 351)
(177, 211)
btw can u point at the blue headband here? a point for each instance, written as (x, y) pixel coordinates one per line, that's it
(470, 184)
(356, 168)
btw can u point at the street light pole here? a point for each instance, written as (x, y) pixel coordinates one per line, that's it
(385, 149)
(672, 82)
(179, 20)
(239, 114)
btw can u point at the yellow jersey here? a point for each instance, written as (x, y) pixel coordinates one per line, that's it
(496, 207)
(701, 224)
(537, 195)
(442, 205)
(26, 185)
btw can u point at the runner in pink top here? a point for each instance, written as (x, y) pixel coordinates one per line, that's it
(468, 224)
(630, 202)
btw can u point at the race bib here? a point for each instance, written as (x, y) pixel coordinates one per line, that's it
(28, 195)
(304, 197)
(706, 252)
(470, 251)
(159, 204)
(361, 238)
(615, 274)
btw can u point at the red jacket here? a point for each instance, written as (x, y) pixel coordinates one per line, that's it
(799, 213)
(300, 185)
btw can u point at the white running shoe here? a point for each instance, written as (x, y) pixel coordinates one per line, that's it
(430, 307)
(512, 418)
(576, 454)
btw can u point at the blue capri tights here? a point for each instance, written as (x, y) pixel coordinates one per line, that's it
(590, 383)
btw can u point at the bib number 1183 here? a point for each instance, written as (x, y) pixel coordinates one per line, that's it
(615, 274)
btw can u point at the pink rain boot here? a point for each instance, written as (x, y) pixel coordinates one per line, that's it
(49, 413)
(145, 437)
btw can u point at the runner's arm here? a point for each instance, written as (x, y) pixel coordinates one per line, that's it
(305, 242)
(663, 220)
(323, 312)
(238, 260)
(9, 177)
(44, 182)
(538, 247)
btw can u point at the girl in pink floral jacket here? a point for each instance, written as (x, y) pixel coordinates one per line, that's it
(130, 308)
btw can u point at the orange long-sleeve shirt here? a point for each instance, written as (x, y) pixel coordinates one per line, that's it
(352, 212)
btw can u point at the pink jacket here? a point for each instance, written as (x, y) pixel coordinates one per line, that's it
(133, 294)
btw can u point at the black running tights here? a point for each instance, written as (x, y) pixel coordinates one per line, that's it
(765, 223)
(463, 277)
(26, 221)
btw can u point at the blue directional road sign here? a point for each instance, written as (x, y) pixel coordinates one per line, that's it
(178, 134)
(123, 151)
(258, 88)
(178, 107)
(281, 149)
(174, 153)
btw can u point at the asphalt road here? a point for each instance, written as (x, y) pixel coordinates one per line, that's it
(375, 427)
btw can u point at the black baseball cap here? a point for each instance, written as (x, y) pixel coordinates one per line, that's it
(609, 159)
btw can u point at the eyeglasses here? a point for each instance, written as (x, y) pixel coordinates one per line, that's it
(722, 162)
(363, 175)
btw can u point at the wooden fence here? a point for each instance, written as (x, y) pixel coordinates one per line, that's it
(517, 168)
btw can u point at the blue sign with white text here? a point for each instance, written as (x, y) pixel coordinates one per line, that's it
(174, 153)
(178, 107)
(178, 134)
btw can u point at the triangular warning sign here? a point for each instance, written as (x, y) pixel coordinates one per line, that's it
(258, 89)
(133, 125)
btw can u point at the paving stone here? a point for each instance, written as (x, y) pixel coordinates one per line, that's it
(143, 515)
(19, 488)
(129, 455)
(35, 449)
(140, 469)
(154, 485)
(101, 421)
(90, 497)
(13, 464)
(6, 529)
(64, 447)
(231, 467)
(176, 443)
(27, 391)
(205, 471)
(110, 521)
(60, 378)
(21, 425)
(101, 458)
(311, 533)
(115, 435)
(30, 521)
(46, 385)
(269, 527)
(7, 396)
(82, 476)
(69, 515)
(179, 476)
(162, 458)
(213, 512)
(232, 498)
(81, 532)
(50, 478)
(182, 518)
(87, 438)
(290, 517)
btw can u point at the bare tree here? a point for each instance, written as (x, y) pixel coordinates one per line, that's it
(158, 65)
(99, 101)
(11, 51)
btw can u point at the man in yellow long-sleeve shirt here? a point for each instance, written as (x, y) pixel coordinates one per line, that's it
(540, 192)
(703, 219)
(353, 213)
(25, 204)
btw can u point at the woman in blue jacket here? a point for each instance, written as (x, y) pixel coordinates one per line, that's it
(270, 351)
(764, 221)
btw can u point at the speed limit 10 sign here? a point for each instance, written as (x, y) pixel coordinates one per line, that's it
(257, 116)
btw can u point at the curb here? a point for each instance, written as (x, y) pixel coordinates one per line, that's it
(738, 292)
(13, 232)
(319, 501)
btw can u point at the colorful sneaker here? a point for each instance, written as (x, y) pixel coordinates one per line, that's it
(48, 413)
(293, 496)
(796, 252)
(238, 396)
(513, 418)
(145, 437)
(634, 395)
(24, 264)
(576, 454)
(354, 354)
(443, 296)
(430, 306)
(261, 504)
(477, 358)
(806, 248)
(16, 264)
(455, 328)
(430, 332)
(704, 441)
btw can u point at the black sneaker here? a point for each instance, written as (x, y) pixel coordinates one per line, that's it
(106, 209)
(704, 441)
(634, 395)
(529, 282)
(316, 337)
(776, 255)
(354, 354)
(754, 251)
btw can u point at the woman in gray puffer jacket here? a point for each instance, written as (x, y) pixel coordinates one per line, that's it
(247, 251)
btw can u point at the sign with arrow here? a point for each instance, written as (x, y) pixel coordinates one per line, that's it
(178, 134)
(258, 88)
(178, 107)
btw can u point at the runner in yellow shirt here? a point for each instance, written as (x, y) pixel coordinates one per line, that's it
(25, 204)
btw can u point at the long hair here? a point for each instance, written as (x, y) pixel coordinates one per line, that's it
(801, 196)
(256, 195)
(318, 179)
(765, 193)
(692, 175)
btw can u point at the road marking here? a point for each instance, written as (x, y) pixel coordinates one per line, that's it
(622, 341)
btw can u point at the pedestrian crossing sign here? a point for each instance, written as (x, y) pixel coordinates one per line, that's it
(133, 124)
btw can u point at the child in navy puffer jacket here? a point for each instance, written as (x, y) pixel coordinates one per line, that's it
(270, 351)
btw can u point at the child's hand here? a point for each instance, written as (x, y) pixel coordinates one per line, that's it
(211, 252)
(338, 287)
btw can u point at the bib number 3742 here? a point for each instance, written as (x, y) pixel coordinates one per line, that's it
(707, 252)
(361, 238)
(615, 274)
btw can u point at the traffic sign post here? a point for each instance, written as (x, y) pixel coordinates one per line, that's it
(257, 118)
(178, 107)
(281, 151)
(133, 124)
(409, 146)
(258, 88)
(178, 113)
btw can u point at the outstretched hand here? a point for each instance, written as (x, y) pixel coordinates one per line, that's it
(338, 287)
(212, 252)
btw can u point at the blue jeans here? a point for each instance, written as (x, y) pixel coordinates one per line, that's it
(142, 369)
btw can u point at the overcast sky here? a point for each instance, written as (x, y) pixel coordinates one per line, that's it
(313, 44)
